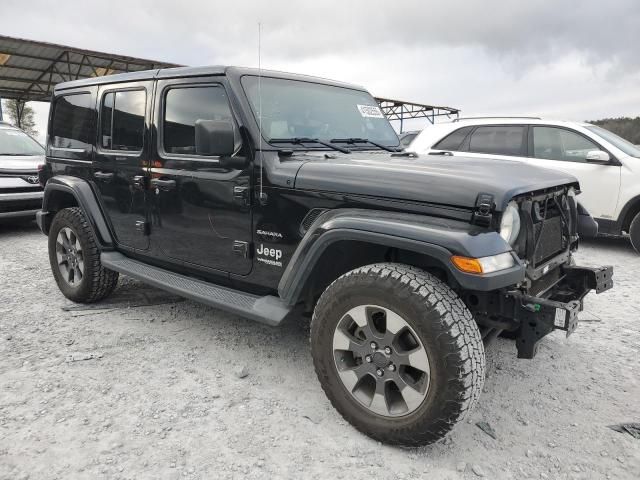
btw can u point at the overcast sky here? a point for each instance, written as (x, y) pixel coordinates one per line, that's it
(557, 58)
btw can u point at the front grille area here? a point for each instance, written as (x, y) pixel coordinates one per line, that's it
(20, 205)
(21, 189)
(550, 239)
(548, 222)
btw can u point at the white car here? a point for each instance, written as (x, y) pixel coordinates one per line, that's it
(607, 166)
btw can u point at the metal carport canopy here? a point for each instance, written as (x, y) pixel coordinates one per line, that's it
(30, 69)
(400, 110)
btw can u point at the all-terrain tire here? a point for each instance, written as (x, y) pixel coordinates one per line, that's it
(634, 233)
(443, 324)
(97, 282)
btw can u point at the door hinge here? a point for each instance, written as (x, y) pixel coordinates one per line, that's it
(140, 182)
(241, 248)
(241, 193)
(142, 226)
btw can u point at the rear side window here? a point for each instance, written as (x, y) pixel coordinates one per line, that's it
(453, 140)
(73, 122)
(498, 140)
(183, 106)
(122, 120)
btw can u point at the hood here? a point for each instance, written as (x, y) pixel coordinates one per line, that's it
(454, 181)
(22, 163)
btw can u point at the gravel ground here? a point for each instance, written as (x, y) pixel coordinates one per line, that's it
(160, 391)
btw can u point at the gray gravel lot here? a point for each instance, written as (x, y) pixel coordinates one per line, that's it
(155, 391)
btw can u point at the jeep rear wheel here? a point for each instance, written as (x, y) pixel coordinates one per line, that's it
(75, 259)
(398, 353)
(634, 233)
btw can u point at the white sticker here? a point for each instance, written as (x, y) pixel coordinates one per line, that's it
(370, 111)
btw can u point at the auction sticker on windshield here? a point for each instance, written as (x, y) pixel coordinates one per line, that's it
(370, 111)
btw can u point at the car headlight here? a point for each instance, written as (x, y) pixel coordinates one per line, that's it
(510, 223)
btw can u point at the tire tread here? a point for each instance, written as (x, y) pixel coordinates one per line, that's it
(102, 281)
(459, 330)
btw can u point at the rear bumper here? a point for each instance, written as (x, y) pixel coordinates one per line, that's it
(558, 308)
(20, 204)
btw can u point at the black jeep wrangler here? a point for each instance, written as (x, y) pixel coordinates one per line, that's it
(272, 195)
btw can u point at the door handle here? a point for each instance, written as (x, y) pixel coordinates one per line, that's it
(163, 184)
(105, 176)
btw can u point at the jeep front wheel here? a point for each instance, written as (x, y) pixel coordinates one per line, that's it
(634, 233)
(75, 259)
(397, 353)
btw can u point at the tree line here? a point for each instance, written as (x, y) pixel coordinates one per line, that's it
(20, 114)
(626, 127)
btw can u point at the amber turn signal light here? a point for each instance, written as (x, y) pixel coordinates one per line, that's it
(466, 264)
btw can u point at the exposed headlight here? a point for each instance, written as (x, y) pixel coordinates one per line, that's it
(510, 224)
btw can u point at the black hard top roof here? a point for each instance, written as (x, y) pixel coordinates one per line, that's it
(182, 72)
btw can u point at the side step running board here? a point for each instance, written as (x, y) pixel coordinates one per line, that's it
(269, 309)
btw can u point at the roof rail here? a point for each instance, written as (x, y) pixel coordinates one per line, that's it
(498, 116)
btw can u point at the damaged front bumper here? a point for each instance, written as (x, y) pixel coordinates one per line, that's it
(557, 307)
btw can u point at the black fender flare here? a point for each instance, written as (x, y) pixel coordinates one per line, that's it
(86, 200)
(433, 237)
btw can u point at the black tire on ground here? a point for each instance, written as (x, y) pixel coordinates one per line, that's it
(440, 321)
(634, 233)
(96, 282)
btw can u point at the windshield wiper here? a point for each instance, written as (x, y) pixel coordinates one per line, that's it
(15, 154)
(353, 141)
(301, 140)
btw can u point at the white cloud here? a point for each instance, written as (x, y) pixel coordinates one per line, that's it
(575, 60)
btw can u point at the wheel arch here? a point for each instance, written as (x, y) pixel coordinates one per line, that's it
(65, 191)
(345, 239)
(629, 212)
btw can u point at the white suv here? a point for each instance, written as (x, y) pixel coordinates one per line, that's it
(607, 166)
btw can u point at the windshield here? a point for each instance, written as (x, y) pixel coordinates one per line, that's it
(294, 109)
(619, 142)
(16, 142)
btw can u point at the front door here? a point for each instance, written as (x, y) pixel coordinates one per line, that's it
(199, 209)
(119, 168)
(566, 150)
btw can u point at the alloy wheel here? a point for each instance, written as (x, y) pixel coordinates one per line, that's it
(70, 256)
(381, 361)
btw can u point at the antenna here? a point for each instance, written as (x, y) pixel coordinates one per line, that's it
(261, 196)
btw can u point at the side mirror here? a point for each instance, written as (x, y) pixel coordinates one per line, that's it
(597, 156)
(214, 138)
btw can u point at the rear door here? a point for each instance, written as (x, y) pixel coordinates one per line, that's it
(120, 167)
(564, 149)
(200, 209)
(507, 142)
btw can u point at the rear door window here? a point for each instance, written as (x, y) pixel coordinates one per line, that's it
(73, 123)
(498, 140)
(122, 120)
